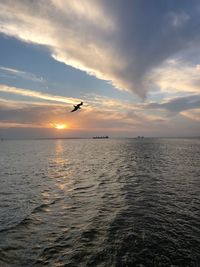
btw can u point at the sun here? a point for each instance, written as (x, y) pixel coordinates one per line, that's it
(59, 126)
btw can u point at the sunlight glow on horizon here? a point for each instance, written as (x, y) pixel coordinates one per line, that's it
(59, 126)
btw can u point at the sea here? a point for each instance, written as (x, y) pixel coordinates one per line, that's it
(100, 202)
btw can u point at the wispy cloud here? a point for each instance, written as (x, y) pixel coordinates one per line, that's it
(5, 124)
(10, 72)
(36, 94)
(90, 100)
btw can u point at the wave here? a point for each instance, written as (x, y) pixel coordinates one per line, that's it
(26, 220)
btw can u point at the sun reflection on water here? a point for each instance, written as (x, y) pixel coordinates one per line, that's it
(60, 162)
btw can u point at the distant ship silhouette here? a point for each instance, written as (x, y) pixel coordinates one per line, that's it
(100, 137)
(140, 137)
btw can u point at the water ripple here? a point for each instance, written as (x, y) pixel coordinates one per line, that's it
(100, 203)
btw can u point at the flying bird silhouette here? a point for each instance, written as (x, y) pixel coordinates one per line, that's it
(76, 107)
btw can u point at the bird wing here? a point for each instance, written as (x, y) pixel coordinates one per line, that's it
(74, 109)
(80, 104)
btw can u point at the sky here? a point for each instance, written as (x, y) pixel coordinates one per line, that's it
(135, 64)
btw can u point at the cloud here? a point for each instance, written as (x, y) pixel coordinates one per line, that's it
(31, 114)
(5, 124)
(121, 42)
(35, 119)
(22, 74)
(178, 20)
(192, 114)
(90, 100)
(97, 113)
(176, 75)
(36, 94)
(178, 104)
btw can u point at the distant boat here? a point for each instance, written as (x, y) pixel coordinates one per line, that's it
(100, 137)
(140, 137)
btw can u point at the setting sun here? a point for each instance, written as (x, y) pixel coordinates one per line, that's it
(59, 126)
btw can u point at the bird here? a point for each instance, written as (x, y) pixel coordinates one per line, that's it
(76, 107)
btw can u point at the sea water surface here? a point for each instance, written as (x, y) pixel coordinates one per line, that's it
(131, 202)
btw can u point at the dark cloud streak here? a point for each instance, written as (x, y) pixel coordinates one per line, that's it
(178, 104)
(151, 32)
